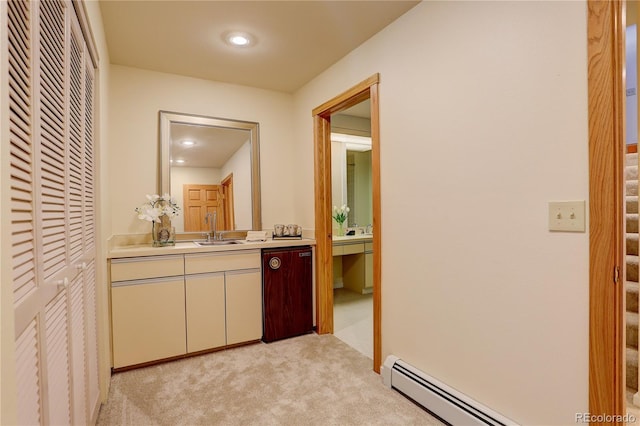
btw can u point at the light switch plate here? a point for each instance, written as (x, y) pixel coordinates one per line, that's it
(567, 216)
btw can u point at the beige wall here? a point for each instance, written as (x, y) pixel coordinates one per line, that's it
(483, 110)
(136, 96)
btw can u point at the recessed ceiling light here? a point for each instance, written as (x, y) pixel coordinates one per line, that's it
(188, 143)
(239, 39)
(179, 161)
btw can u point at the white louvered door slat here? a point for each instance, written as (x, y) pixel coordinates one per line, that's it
(28, 376)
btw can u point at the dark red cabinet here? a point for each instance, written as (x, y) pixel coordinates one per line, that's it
(286, 292)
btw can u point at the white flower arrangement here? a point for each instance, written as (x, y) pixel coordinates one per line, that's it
(156, 207)
(340, 214)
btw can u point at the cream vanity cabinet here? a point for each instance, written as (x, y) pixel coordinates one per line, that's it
(357, 264)
(171, 305)
(223, 298)
(147, 309)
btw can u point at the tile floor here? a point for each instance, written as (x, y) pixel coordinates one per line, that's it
(353, 320)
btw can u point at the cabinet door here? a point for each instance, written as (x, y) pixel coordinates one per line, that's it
(353, 272)
(244, 306)
(368, 270)
(148, 320)
(287, 286)
(205, 312)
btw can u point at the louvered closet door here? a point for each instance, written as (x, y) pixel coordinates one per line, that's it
(75, 222)
(21, 111)
(89, 236)
(51, 199)
(52, 212)
(21, 100)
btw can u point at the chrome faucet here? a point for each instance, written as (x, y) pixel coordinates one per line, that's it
(211, 219)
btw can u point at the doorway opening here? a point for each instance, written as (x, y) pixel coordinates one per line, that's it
(366, 90)
(351, 186)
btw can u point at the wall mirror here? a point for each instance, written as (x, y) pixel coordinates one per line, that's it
(210, 165)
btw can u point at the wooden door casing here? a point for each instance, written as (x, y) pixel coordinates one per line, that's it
(227, 199)
(367, 89)
(605, 35)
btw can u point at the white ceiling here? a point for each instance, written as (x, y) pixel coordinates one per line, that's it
(214, 146)
(296, 40)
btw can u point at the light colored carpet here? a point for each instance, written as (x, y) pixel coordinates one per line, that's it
(307, 380)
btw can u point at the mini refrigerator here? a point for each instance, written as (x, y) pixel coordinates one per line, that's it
(286, 291)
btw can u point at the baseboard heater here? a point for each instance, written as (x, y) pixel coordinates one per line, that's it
(443, 401)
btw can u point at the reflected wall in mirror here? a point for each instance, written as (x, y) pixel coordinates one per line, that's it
(210, 166)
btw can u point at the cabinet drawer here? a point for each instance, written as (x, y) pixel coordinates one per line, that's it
(353, 248)
(146, 267)
(368, 247)
(217, 262)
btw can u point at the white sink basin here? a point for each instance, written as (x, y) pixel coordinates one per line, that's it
(217, 242)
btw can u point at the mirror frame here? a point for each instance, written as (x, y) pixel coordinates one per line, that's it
(167, 118)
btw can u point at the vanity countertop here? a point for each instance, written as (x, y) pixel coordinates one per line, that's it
(191, 247)
(362, 238)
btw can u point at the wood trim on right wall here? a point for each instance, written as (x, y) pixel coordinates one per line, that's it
(605, 38)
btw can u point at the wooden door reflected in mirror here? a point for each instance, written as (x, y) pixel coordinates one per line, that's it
(199, 201)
